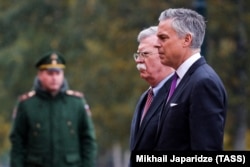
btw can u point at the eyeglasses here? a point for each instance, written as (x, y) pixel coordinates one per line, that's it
(142, 55)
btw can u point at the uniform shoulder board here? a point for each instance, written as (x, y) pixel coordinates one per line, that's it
(26, 96)
(74, 93)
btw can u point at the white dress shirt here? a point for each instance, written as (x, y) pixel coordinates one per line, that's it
(183, 68)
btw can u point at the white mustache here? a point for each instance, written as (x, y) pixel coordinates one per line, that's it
(141, 66)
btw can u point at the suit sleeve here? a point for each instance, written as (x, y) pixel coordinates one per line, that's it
(207, 115)
(87, 137)
(18, 138)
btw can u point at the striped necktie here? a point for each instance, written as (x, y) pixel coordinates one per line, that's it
(148, 102)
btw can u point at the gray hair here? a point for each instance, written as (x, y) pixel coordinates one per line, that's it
(186, 21)
(147, 32)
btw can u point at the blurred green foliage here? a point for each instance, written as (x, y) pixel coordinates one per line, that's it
(98, 39)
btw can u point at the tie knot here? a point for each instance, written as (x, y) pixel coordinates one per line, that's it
(150, 91)
(175, 77)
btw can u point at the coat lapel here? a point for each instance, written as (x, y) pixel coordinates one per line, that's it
(136, 119)
(182, 85)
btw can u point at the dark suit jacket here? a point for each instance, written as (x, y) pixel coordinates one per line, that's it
(194, 117)
(142, 137)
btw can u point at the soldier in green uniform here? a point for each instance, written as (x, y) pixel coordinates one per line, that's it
(52, 126)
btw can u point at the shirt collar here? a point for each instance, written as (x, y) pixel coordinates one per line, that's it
(181, 71)
(160, 84)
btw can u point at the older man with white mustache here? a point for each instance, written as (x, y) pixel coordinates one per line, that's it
(158, 76)
(147, 58)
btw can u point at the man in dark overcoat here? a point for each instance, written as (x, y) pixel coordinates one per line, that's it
(52, 125)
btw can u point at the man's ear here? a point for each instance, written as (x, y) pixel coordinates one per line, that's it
(39, 73)
(187, 40)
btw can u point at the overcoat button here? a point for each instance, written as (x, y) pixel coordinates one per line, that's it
(38, 125)
(69, 123)
(72, 131)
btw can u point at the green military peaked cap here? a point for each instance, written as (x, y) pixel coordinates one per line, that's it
(51, 60)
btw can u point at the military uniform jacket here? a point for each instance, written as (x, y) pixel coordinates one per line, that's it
(52, 131)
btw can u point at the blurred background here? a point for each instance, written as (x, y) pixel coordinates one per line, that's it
(98, 39)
